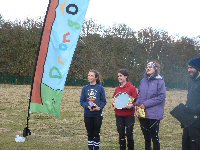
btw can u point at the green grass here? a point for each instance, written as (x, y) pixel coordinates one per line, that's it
(68, 133)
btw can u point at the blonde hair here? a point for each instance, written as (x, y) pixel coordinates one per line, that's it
(157, 66)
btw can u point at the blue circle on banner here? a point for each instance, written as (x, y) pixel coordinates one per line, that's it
(63, 47)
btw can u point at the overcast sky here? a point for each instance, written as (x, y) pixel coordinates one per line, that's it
(178, 17)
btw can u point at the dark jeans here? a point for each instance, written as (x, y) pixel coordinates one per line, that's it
(191, 139)
(150, 130)
(125, 129)
(93, 125)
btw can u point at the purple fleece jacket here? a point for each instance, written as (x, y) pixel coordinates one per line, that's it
(152, 94)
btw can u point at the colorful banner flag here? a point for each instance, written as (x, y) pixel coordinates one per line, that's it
(61, 31)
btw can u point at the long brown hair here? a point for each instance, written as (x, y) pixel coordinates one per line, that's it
(97, 76)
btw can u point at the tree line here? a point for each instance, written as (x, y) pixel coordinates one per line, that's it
(106, 49)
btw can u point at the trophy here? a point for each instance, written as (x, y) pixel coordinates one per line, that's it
(92, 104)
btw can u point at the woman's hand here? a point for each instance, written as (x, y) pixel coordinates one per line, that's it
(96, 108)
(90, 108)
(142, 106)
(129, 106)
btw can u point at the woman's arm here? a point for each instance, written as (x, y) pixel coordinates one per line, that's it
(83, 99)
(102, 98)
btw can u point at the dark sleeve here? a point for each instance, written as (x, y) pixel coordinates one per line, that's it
(102, 98)
(196, 110)
(83, 99)
(161, 95)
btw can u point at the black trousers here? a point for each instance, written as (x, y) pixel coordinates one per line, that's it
(191, 139)
(125, 129)
(150, 130)
(93, 126)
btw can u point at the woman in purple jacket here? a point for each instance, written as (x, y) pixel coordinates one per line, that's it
(152, 94)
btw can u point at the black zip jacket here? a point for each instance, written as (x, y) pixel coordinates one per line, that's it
(193, 100)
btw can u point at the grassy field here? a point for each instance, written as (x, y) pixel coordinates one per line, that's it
(68, 133)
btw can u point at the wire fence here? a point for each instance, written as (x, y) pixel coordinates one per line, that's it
(28, 80)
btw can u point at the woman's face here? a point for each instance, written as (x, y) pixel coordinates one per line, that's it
(121, 78)
(150, 69)
(91, 77)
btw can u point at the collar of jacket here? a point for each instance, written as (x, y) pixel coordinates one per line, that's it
(196, 79)
(153, 77)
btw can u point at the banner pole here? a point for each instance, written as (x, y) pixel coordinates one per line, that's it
(27, 131)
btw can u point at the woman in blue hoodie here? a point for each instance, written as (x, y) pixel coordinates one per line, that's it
(93, 100)
(152, 94)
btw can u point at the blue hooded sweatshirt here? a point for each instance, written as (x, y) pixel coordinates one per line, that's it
(96, 94)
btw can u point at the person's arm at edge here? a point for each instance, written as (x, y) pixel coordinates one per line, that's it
(102, 98)
(83, 101)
